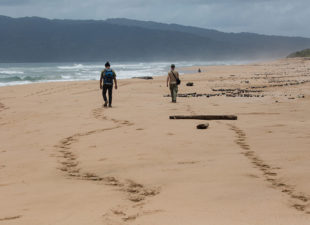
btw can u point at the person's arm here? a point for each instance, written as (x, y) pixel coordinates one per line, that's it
(168, 80)
(101, 79)
(115, 81)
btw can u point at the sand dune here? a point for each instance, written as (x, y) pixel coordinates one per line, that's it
(64, 159)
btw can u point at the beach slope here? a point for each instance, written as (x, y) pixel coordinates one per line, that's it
(64, 159)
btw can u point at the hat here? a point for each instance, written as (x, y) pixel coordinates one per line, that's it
(107, 64)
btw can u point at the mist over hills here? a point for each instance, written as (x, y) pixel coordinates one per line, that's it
(34, 39)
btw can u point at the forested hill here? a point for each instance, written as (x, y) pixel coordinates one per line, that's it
(33, 39)
(304, 53)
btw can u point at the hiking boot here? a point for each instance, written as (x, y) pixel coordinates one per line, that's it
(105, 105)
(110, 106)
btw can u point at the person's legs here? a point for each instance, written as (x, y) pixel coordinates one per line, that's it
(171, 91)
(110, 89)
(104, 94)
(174, 92)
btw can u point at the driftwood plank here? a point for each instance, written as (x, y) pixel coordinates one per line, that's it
(205, 117)
(144, 78)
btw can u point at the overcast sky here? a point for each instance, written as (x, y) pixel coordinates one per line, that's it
(284, 17)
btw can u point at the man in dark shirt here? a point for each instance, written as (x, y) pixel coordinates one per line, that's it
(106, 83)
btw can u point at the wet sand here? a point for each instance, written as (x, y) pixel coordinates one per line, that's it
(64, 159)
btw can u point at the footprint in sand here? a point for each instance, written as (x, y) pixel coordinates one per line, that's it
(98, 114)
(268, 172)
(10, 218)
(120, 214)
(252, 176)
(3, 107)
(188, 162)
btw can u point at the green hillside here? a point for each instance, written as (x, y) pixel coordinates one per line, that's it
(303, 53)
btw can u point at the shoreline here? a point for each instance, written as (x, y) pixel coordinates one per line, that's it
(70, 70)
(67, 160)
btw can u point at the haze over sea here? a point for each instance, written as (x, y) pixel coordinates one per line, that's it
(25, 73)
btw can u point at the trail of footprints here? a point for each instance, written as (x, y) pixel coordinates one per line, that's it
(43, 92)
(118, 214)
(299, 201)
(53, 90)
(136, 193)
(97, 113)
(2, 108)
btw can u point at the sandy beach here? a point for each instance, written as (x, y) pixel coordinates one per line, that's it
(66, 160)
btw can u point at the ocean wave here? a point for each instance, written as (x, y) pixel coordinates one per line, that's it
(10, 79)
(14, 74)
(10, 72)
(27, 78)
(75, 66)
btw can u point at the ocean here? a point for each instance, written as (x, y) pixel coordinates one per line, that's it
(25, 73)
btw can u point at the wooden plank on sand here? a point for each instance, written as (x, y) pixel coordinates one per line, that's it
(205, 117)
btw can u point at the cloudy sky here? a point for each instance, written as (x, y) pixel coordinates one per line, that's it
(280, 17)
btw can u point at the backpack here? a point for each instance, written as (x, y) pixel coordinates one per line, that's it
(108, 77)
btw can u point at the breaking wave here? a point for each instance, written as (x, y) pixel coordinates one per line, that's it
(16, 73)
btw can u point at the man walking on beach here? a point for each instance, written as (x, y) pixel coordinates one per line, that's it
(106, 84)
(172, 83)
